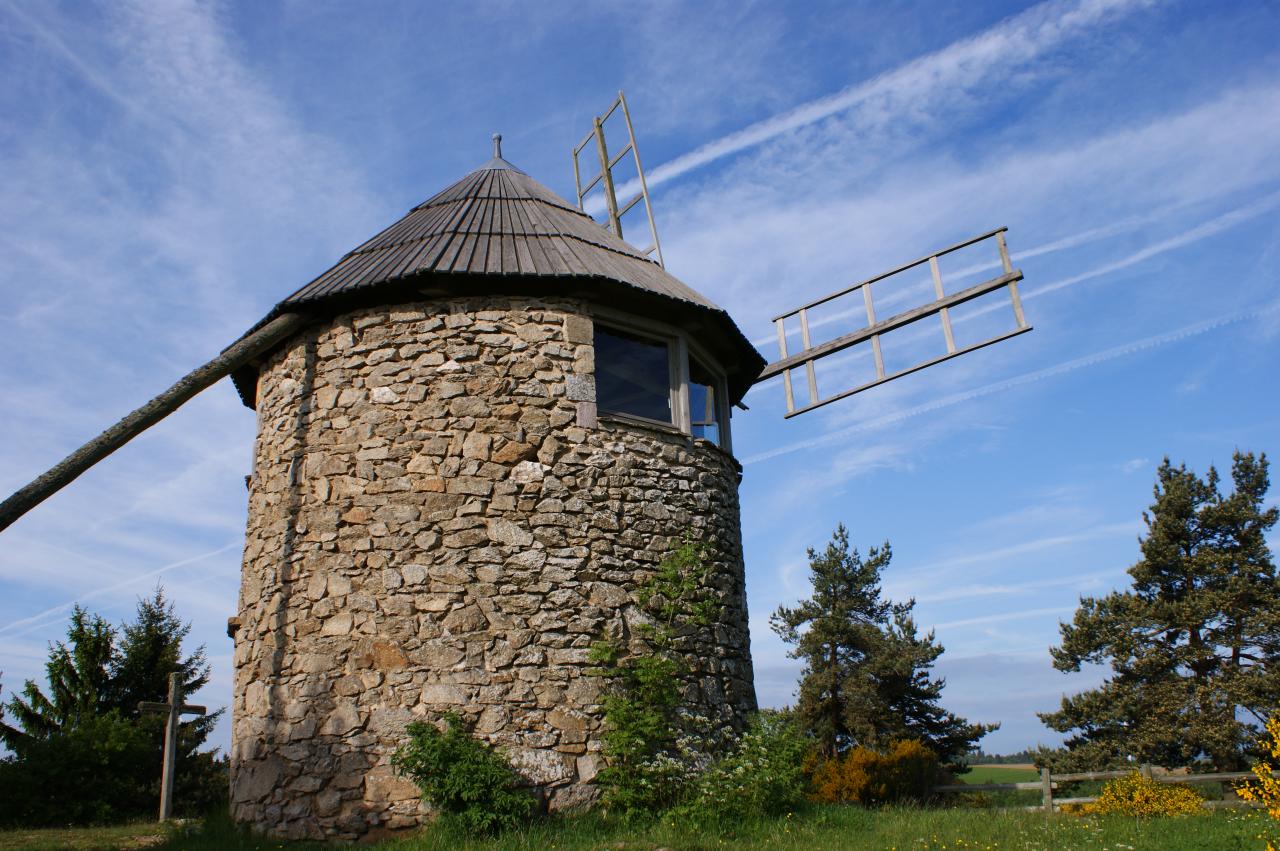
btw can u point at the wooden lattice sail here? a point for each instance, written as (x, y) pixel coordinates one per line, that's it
(875, 329)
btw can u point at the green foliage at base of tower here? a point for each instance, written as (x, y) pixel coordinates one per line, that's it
(759, 776)
(652, 747)
(469, 783)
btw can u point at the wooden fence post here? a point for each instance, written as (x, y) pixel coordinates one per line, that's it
(1046, 790)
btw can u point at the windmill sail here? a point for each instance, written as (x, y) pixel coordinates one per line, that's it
(876, 329)
(604, 177)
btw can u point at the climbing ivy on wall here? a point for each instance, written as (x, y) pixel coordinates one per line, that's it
(648, 746)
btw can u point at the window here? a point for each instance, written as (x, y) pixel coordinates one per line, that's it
(654, 376)
(633, 375)
(704, 403)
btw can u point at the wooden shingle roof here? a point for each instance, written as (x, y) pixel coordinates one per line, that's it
(495, 221)
(498, 230)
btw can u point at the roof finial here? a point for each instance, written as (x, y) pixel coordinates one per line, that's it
(497, 146)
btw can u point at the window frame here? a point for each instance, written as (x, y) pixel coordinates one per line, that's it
(680, 348)
(720, 388)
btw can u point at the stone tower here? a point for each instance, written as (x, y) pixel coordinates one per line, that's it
(498, 420)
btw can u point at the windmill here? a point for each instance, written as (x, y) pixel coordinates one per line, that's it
(603, 181)
(477, 433)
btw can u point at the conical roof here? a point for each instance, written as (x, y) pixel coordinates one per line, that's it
(497, 230)
(495, 221)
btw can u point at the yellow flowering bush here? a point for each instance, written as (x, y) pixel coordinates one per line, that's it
(908, 771)
(1135, 795)
(1264, 789)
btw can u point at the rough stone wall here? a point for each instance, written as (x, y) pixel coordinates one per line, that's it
(437, 522)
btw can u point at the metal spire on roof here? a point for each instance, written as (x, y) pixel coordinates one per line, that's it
(498, 162)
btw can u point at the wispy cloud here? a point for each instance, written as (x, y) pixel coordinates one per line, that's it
(792, 237)
(971, 591)
(992, 556)
(1133, 465)
(1004, 617)
(40, 619)
(1213, 227)
(922, 290)
(157, 175)
(912, 89)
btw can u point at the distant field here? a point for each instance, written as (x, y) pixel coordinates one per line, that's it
(1016, 773)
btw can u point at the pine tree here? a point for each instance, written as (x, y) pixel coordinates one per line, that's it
(866, 678)
(908, 696)
(150, 648)
(86, 728)
(78, 672)
(1194, 645)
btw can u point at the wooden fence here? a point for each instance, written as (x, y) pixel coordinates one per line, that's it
(1048, 782)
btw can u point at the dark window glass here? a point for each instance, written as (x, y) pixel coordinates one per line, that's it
(633, 375)
(704, 407)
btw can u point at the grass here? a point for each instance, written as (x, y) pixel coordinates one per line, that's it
(835, 828)
(817, 829)
(123, 836)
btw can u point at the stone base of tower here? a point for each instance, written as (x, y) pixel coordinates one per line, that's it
(438, 523)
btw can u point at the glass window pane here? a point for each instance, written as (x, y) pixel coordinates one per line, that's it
(633, 375)
(704, 407)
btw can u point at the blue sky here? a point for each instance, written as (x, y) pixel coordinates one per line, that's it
(168, 171)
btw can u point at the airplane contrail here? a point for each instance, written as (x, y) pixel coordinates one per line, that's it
(37, 620)
(977, 61)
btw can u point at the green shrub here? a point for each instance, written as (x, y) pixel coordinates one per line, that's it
(59, 780)
(762, 775)
(645, 764)
(466, 780)
(907, 772)
(656, 782)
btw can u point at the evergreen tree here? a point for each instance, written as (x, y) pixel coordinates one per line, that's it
(867, 678)
(1194, 645)
(78, 674)
(149, 650)
(86, 728)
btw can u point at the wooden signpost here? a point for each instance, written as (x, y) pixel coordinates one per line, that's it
(174, 707)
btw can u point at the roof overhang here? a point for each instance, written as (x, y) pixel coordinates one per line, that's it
(713, 328)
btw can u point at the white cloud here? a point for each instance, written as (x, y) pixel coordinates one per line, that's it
(58, 613)
(794, 238)
(1133, 465)
(990, 556)
(145, 216)
(943, 593)
(1003, 617)
(1213, 227)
